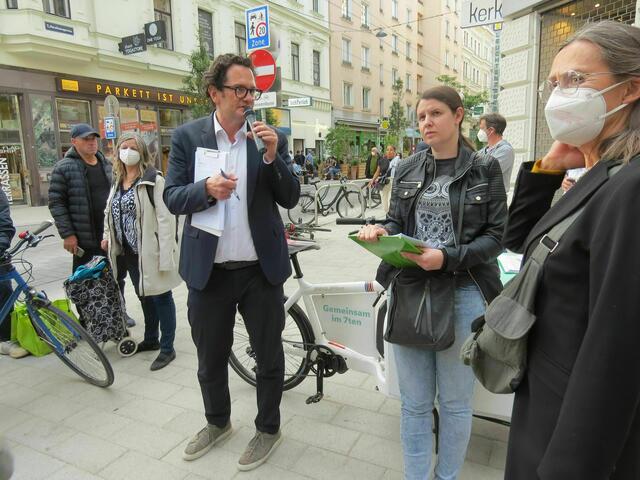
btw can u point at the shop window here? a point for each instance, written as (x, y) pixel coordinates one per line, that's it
(162, 11)
(70, 113)
(56, 7)
(11, 149)
(148, 129)
(44, 132)
(170, 119)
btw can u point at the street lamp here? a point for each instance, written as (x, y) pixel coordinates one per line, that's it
(381, 33)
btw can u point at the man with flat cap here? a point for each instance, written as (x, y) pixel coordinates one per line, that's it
(78, 194)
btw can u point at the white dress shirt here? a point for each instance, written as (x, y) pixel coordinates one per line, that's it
(235, 243)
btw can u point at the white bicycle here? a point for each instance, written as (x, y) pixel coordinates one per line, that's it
(342, 329)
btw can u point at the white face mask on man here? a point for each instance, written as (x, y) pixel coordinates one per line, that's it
(482, 136)
(129, 156)
(578, 118)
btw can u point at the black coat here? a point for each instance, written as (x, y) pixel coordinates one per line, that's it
(478, 207)
(70, 200)
(576, 413)
(268, 185)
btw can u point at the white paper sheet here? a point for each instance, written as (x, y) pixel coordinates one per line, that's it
(207, 163)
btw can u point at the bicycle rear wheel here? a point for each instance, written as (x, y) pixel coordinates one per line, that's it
(71, 343)
(374, 199)
(351, 205)
(305, 210)
(296, 339)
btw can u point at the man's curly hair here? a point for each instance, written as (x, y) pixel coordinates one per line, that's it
(216, 76)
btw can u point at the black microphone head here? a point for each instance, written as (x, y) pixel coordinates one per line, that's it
(248, 112)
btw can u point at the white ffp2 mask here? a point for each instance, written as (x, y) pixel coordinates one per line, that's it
(129, 156)
(578, 118)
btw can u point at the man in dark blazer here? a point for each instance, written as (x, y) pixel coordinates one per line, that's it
(246, 266)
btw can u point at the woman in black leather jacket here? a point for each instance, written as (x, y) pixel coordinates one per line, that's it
(452, 199)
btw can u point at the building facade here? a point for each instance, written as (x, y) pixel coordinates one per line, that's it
(60, 59)
(532, 34)
(373, 44)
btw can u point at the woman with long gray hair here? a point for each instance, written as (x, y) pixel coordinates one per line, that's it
(577, 410)
(141, 239)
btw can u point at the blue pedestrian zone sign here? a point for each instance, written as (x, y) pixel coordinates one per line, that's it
(257, 22)
(109, 128)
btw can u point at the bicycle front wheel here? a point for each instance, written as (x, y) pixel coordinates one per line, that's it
(351, 205)
(296, 340)
(305, 210)
(71, 343)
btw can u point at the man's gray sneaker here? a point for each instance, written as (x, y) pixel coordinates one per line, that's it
(206, 438)
(258, 450)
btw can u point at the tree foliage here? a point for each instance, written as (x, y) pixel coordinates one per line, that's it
(193, 83)
(338, 142)
(469, 99)
(397, 121)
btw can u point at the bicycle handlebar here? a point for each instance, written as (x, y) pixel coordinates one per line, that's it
(42, 227)
(357, 221)
(28, 236)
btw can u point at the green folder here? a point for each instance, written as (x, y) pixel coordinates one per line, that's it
(388, 248)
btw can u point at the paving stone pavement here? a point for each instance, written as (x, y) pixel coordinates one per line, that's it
(59, 427)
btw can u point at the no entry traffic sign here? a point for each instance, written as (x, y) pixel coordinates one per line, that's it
(265, 68)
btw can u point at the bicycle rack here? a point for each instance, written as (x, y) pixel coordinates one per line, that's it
(330, 185)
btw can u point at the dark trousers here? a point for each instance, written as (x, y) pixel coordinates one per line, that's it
(212, 313)
(159, 310)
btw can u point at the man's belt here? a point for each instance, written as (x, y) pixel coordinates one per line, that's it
(235, 265)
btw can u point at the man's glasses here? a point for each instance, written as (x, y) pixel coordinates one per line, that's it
(241, 92)
(568, 83)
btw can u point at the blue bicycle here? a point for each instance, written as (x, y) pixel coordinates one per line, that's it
(66, 337)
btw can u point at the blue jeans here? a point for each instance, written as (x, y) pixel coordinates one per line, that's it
(421, 373)
(159, 310)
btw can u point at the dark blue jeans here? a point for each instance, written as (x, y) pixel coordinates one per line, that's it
(159, 310)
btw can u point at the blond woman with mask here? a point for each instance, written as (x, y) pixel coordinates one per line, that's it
(140, 237)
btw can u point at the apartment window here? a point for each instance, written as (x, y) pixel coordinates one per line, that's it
(346, 50)
(381, 73)
(347, 90)
(316, 68)
(295, 62)
(419, 24)
(366, 98)
(394, 43)
(455, 34)
(407, 51)
(407, 82)
(162, 11)
(419, 54)
(486, 80)
(381, 106)
(381, 43)
(446, 58)
(466, 39)
(365, 15)
(241, 38)
(365, 57)
(447, 26)
(409, 18)
(394, 76)
(316, 6)
(205, 31)
(465, 69)
(54, 7)
(12, 4)
(381, 5)
(455, 63)
(419, 83)
(347, 8)
(394, 9)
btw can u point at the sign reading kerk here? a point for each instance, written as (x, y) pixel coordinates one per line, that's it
(124, 91)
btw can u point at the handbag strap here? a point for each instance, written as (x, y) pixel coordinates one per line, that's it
(549, 242)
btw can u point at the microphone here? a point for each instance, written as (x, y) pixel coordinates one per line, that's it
(250, 117)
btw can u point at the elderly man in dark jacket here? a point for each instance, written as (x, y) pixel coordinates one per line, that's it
(78, 194)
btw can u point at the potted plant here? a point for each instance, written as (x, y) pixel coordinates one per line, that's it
(353, 173)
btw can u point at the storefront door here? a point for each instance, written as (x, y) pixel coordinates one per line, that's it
(12, 169)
